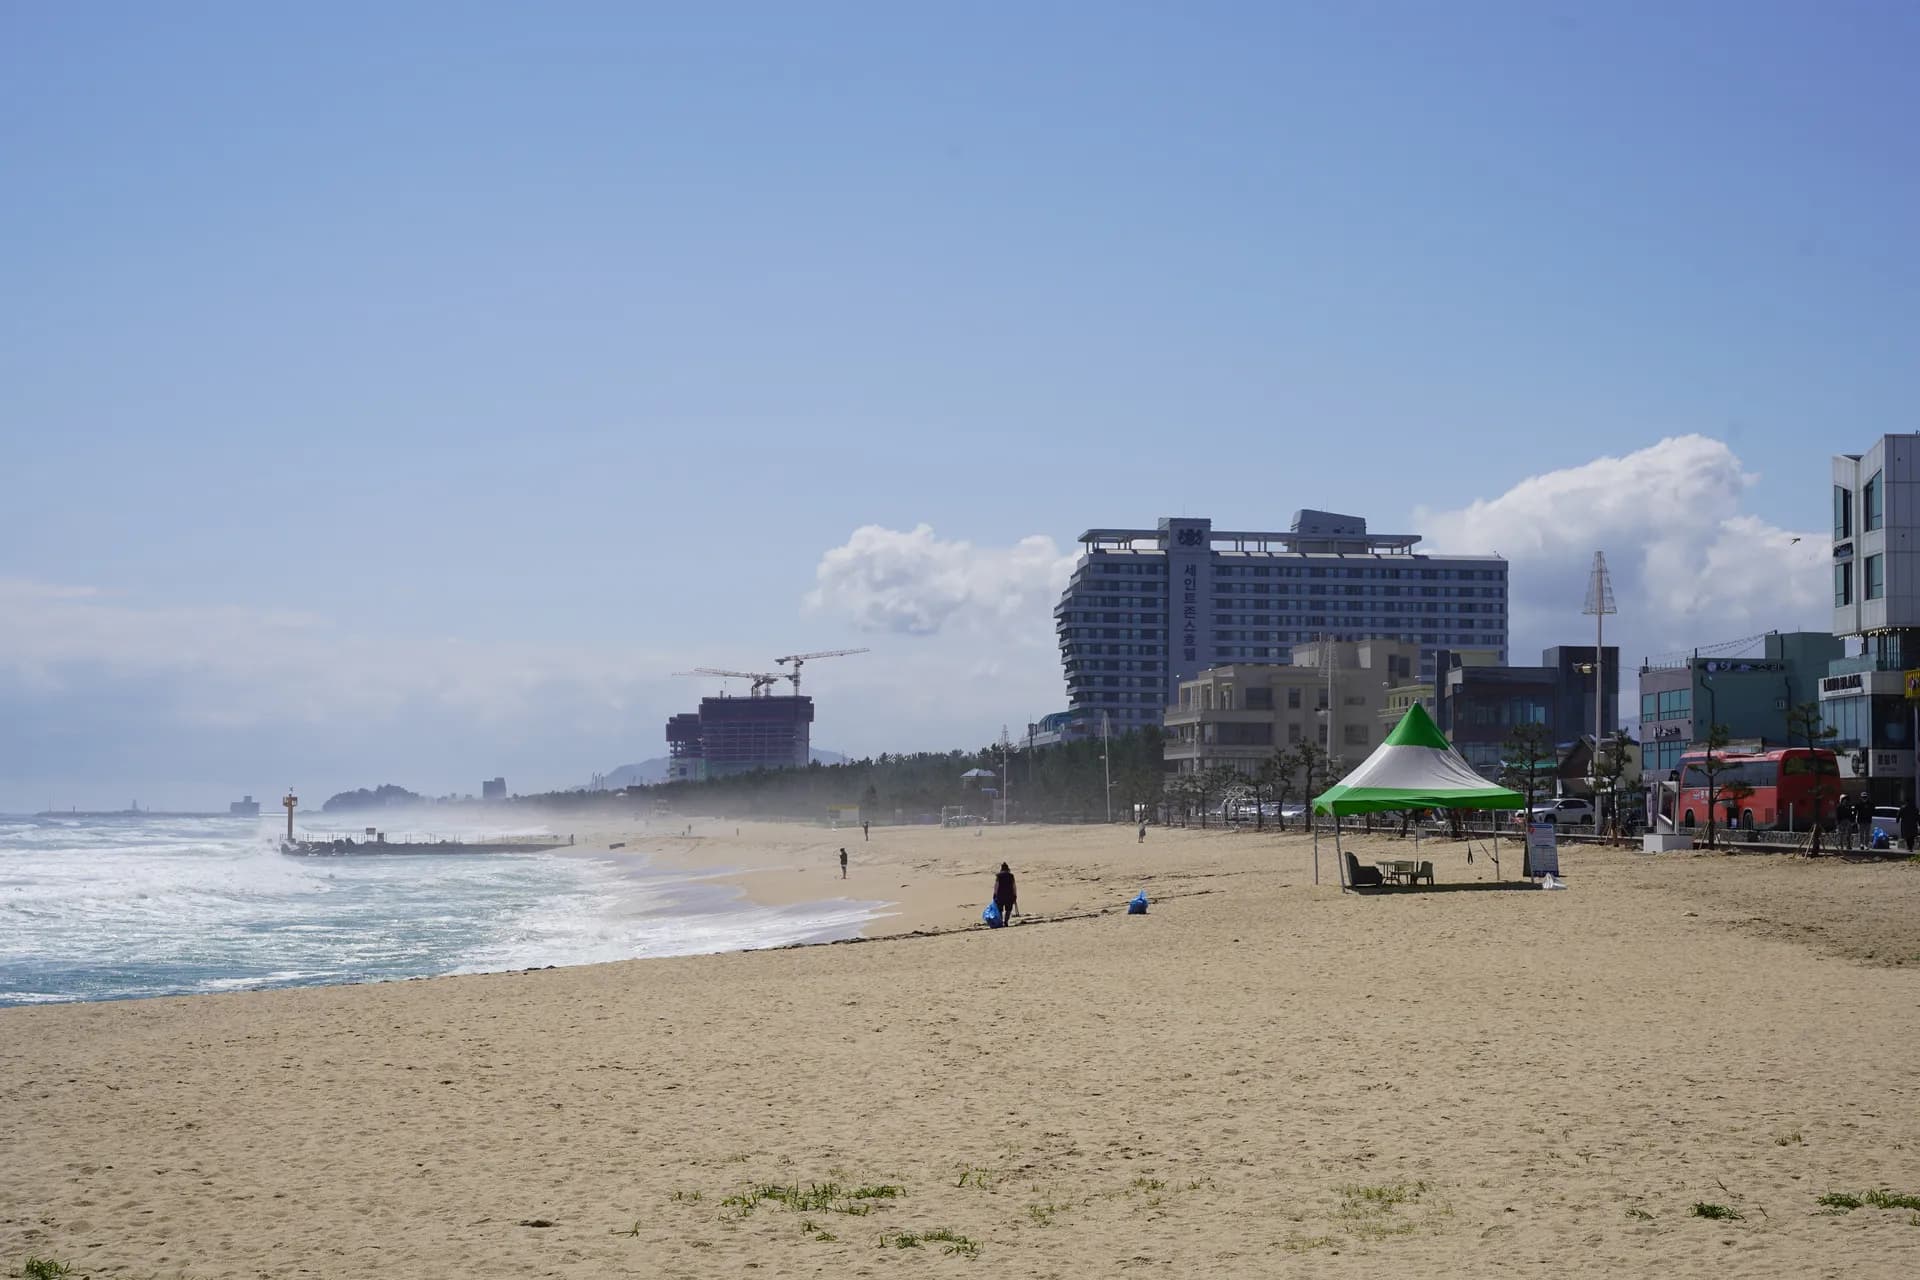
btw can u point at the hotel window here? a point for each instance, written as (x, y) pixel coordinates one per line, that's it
(1842, 513)
(1842, 585)
(1870, 505)
(1873, 578)
(1293, 699)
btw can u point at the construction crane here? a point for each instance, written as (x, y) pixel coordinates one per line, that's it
(801, 659)
(762, 680)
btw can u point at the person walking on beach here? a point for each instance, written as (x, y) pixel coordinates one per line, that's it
(864, 824)
(1143, 832)
(843, 863)
(1005, 896)
(1843, 817)
(1909, 823)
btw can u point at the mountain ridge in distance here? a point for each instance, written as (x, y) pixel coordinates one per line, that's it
(648, 772)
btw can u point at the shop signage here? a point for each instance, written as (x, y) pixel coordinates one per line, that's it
(1543, 849)
(1890, 764)
(1840, 684)
(1913, 686)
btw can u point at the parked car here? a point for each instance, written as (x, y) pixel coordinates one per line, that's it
(1566, 809)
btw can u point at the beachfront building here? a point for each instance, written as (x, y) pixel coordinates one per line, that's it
(1681, 698)
(1876, 603)
(1239, 714)
(1058, 727)
(1478, 704)
(1147, 609)
(493, 789)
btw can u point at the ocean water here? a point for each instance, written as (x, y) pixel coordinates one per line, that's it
(107, 909)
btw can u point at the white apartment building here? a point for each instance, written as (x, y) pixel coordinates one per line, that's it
(1149, 608)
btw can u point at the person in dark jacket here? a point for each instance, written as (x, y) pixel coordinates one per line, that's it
(1909, 823)
(1005, 895)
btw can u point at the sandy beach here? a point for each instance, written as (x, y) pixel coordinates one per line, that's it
(1259, 1077)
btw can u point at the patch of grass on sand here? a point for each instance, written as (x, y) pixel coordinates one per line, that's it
(899, 1240)
(1717, 1212)
(814, 1197)
(1304, 1244)
(1368, 1211)
(1891, 1200)
(1638, 1214)
(955, 1242)
(976, 1175)
(1840, 1200)
(37, 1268)
(1790, 1140)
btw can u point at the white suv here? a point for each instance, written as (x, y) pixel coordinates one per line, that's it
(1567, 809)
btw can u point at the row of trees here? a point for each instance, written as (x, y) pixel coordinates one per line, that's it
(1302, 771)
(1065, 782)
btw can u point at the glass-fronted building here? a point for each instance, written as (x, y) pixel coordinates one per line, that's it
(1752, 696)
(1148, 608)
(1876, 606)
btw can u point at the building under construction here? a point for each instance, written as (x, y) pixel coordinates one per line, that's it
(738, 735)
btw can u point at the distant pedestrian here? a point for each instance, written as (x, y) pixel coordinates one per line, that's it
(843, 863)
(1909, 823)
(1845, 817)
(1143, 834)
(864, 824)
(1005, 895)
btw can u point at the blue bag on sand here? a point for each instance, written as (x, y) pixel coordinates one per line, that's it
(1138, 905)
(1880, 839)
(993, 917)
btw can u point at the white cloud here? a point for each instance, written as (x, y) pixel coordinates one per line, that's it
(1690, 565)
(917, 583)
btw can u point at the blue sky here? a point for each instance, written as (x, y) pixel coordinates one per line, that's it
(403, 392)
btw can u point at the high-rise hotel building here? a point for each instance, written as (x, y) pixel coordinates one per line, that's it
(1148, 608)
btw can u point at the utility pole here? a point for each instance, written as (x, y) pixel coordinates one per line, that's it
(1006, 778)
(1599, 604)
(1106, 760)
(1327, 664)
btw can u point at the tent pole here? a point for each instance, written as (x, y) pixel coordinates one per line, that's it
(1339, 855)
(1314, 818)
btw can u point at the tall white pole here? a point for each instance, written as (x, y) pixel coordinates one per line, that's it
(1106, 759)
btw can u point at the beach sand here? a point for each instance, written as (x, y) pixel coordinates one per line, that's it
(1260, 1077)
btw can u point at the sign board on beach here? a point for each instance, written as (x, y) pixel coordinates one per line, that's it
(1543, 849)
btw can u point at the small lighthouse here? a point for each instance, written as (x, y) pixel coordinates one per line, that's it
(290, 800)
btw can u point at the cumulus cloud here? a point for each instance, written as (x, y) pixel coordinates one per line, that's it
(916, 583)
(1690, 564)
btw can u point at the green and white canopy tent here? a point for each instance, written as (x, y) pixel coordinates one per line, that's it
(1415, 768)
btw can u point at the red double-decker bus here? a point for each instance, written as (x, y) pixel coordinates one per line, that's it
(1792, 787)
